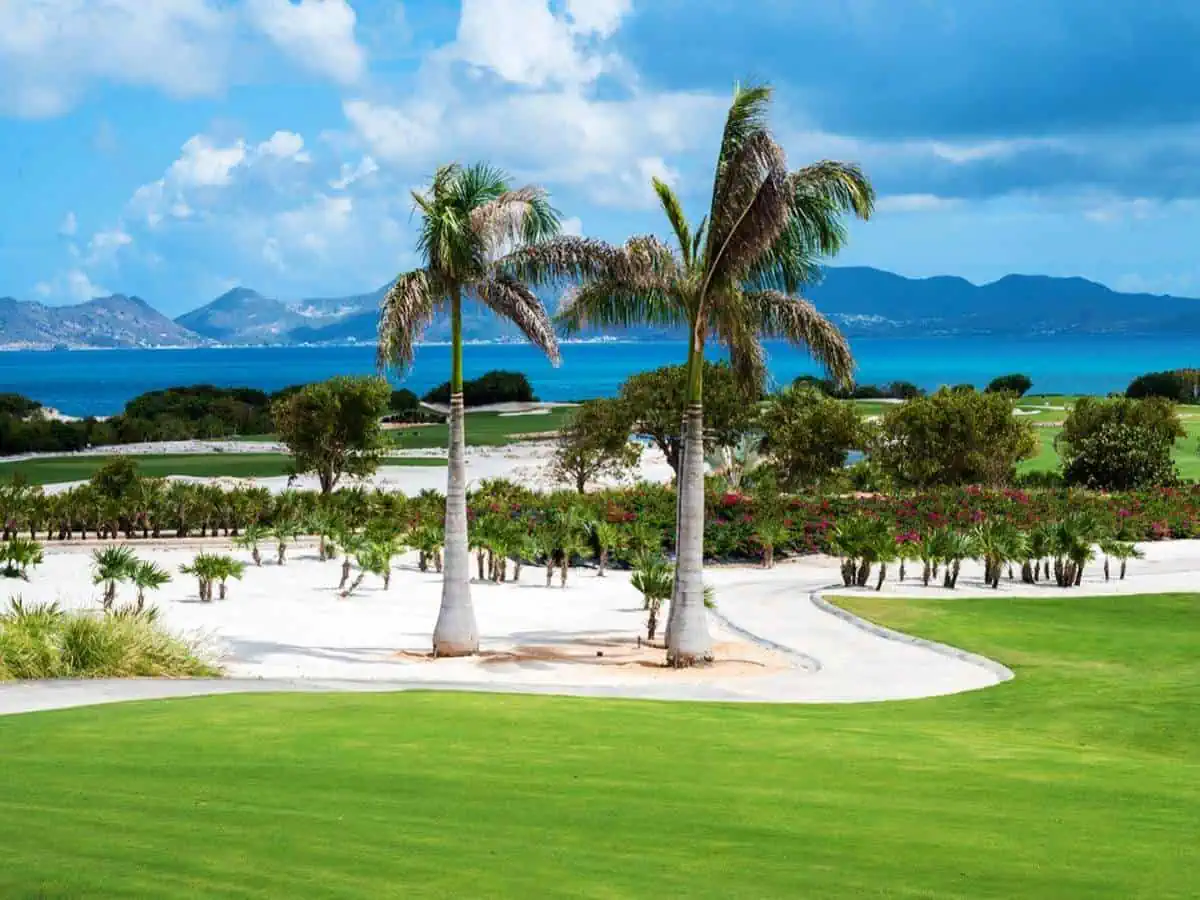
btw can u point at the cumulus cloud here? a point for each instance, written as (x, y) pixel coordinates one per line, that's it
(525, 42)
(317, 34)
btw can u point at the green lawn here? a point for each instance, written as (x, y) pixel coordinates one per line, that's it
(483, 429)
(1081, 778)
(55, 469)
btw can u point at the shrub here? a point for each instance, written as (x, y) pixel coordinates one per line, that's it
(1090, 416)
(496, 386)
(1121, 457)
(1017, 385)
(952, 438)
(43, 641)
(808, 436)
(1166, 385)
(594, 443)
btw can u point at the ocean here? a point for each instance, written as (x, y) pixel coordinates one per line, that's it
(99, 382)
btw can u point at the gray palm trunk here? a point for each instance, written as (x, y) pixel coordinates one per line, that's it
(456, 632)
(688, 642)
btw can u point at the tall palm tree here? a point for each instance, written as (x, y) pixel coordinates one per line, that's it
(734, 278)
(470, 216)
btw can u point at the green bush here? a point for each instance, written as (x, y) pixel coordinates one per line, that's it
(1167, 385)
(1010, 384)
(43, 641)
(496, 386)
(1121, 457)
(953, 437)
(1090, 416)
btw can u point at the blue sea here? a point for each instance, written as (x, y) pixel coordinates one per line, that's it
(99, 382)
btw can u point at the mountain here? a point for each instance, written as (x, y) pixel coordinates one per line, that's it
(863, 301)
(116, 321)
(244, 316)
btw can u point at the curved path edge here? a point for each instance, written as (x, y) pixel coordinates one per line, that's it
(1001, 671)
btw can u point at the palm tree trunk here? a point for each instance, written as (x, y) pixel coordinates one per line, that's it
(882, 576)
(1122, 578)
(345, 573)
(456, 632)
(603, 561)
(683, 427)
(688, 642)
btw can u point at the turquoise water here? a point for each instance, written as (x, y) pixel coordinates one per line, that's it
(99, 382)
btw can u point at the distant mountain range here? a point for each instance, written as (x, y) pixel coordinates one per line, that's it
(863, 301)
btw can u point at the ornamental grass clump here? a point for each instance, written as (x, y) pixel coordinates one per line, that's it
(43, 641)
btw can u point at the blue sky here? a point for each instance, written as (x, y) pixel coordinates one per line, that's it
(173, 149)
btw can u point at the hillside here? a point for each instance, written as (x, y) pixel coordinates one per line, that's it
(863, 301)
(116, 321)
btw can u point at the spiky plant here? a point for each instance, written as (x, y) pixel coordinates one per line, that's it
(469, 217)
(606, 537)
(252, 535)
(147, 576)
(734, 277)
(19, 555)
(653, 578)
(110, 566)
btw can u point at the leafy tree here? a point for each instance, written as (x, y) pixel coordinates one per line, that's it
(657, 401)
(808, 436)
(115, 478)
(1091, 415)
(734, 278)
(496, 386)
(469, 216)
(404, 403)
(595, 442)
(1018, 385)
(952, 438)
(1167, 385)
(1120, 457)
(333, 428)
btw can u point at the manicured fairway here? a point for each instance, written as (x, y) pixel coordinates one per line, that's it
(54, 469)
(1186, 451)
(483, 429)
(1081, 778)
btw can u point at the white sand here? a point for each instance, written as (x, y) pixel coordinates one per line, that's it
(527, 463)
(286, 628)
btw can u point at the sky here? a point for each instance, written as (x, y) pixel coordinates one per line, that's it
(175, 149)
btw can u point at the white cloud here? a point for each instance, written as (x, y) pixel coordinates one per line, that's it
(317, 34)
(916, 203)
(572, 225)
(74, 285)
(69, 225)
(350, 174)
(525, 42)
(203, 164)
(51, 50)
(105, 244)
(284, 145)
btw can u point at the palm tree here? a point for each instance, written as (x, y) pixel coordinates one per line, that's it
(224, 568)
(249, 539)
(652, 577)
(110, 566)
(1122, 551)
(734, 277)
(145, 576)
(607, 538)
(469, 216)
(19, 555)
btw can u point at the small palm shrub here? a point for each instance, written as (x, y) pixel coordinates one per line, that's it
(19, 555)
(213, 568)
(253, 535)
(42, 641)
(654, 578)
(147, 576)
(110, 567)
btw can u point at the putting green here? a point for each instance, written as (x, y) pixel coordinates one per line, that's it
(1080, 778)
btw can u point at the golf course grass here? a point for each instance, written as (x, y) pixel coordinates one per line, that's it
(483, 429)
(56, 469)
(1080, 778)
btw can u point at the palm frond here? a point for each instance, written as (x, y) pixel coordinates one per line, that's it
(510, 299)
(617, 304)
(795, 320)
(406, 311)
(648, 262)
(733, 323)
(752, 214)
(747, 116)
(565, 259)
(515, 217)
(844, 185)
(674, 212)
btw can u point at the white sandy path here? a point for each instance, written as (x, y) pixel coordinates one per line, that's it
(284, 629)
